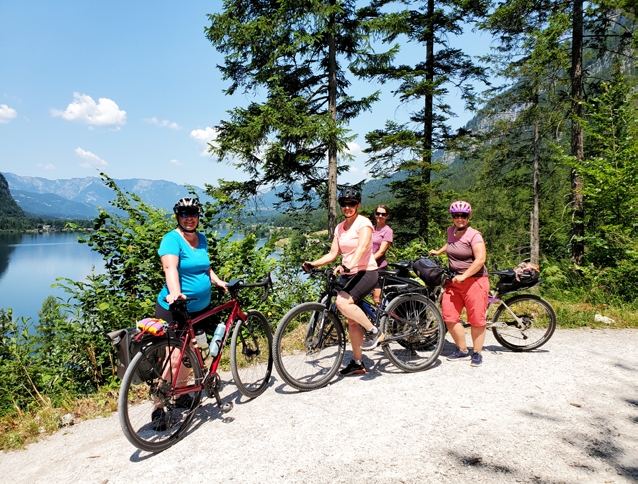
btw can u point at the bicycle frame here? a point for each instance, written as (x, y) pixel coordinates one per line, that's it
(371, 310)
(188, 337)
(493, 298)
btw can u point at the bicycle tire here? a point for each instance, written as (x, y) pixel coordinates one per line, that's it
(251, 354)
(425, 337)
(137, 402)
(309, 346)
(538, 317)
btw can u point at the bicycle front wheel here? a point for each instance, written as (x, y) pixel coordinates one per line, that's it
(415, 332)
(250, 355)
(537, 322)
(151, 417)
(309, 346)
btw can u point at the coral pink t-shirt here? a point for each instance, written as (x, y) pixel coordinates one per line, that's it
(348, 241)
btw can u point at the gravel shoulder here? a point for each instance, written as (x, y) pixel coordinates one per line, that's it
(567, 412)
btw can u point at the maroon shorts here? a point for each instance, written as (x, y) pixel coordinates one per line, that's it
(470, 294)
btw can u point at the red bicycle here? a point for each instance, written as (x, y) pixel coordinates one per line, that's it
(162, 387)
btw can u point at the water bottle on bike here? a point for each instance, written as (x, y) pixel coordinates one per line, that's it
(216, 344)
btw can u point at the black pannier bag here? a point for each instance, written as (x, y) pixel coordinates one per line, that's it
(429, 270)
(517, 281)
(127, 347)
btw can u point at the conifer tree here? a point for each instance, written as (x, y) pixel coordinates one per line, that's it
(409, 147)
(292, 54)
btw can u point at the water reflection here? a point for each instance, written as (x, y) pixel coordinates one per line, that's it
(32, 262)
(7, 246)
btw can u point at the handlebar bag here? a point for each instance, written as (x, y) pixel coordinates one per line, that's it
(429, 271)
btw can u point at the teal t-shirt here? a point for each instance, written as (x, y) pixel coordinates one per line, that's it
(193, 264)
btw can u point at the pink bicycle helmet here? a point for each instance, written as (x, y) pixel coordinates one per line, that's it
(460, 207)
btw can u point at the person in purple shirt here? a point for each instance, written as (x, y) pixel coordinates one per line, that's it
(470, 286)
(381, 240)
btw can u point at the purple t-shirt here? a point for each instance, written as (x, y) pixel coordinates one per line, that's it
(384, 234)
(459, 250)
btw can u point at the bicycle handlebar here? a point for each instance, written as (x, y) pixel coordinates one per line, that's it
(266, 283)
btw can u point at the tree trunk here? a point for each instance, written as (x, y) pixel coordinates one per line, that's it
(428, 131)
(332, 143)
(535, 224)
(577, 149)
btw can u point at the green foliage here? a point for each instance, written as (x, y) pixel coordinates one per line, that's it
(610, 172)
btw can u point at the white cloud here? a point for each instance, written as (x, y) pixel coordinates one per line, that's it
(203, 137)
(7, 113)
(83, 109)
(164, 124)
(353, 149)
(176, 163)
(90, 160)
(48, 166)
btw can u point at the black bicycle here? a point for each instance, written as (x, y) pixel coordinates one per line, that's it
(310, 341)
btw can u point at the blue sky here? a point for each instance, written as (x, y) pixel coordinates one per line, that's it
(130, 88)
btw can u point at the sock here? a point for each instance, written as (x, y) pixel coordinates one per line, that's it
(465, 352)
(358, 362)
(374, 330)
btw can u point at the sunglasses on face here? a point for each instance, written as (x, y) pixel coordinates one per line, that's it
(187, 213)
(348, 203)
(460, 215)
(381, 214)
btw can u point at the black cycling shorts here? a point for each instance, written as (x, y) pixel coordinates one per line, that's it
(359, 285)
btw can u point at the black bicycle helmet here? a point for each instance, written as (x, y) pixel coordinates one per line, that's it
(187, 202)
(349, 193)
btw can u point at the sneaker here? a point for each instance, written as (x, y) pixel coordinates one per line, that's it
(158, 420)
(477, 359)
(371, 340)
(353, 369)
(458, 355)
(184, 401)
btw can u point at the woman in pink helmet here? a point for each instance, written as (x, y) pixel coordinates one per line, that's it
(470, 286)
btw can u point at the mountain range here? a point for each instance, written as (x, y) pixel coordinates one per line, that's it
(81, 197)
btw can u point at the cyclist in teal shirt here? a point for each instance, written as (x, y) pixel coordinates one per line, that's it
(184, 255)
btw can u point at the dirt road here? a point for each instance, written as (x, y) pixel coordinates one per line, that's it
(565, 413)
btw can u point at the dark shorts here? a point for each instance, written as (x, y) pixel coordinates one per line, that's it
(207, 324)
(359, 285)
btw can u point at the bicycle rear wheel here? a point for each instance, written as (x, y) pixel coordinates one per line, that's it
(538, 322)
(250, 354)
(415, 332)
(309, 346)
(144, 390)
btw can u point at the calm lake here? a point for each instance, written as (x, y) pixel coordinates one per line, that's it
(30, 264)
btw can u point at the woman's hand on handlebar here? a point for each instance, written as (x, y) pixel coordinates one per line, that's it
(340, 270)
(171, 298)
(307, 266)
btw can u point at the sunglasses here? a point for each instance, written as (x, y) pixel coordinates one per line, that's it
(187, 213)
(348, 203)
(460, 215)
(381, 214)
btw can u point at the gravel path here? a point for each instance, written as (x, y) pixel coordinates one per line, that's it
(565, 413)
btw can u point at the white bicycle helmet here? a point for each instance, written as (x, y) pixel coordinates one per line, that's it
(460, 206)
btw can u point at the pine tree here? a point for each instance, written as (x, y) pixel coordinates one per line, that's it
(409, 147)
(293, 52)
